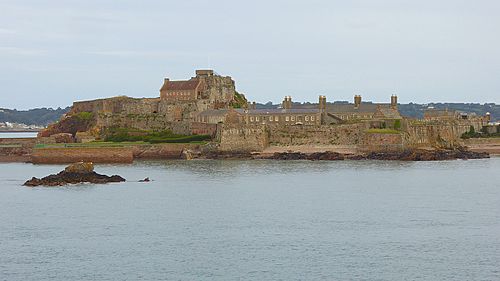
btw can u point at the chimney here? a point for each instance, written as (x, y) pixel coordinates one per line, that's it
(394, 101)
(357, 101)
(287, 102)
(163, 88)
(254, 105)
(322, 103)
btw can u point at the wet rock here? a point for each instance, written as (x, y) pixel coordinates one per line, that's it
(427, 155)
(82, 172)
(188, 154)
(327, 155)
(227, 155)
(288, 156)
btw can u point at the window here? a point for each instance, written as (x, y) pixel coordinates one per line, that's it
(307, 118)
(276, 118)
(257, 118)
(312, 118)
(287, 118)
(293, 118)
(270, 118)
(251, 119)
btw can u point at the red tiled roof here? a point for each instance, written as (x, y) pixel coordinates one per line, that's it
(180, 85)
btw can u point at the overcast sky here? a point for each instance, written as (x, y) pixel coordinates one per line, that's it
(54, 52)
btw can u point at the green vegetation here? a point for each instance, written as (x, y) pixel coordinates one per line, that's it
(38, 116)
(131, 135)
(84, 116)
(397, 124)
(239, 101)
(383, 131)
(483, 134)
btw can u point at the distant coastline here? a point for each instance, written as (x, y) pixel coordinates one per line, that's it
(20, 131)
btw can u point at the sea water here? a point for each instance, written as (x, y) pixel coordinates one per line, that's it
(256, 220)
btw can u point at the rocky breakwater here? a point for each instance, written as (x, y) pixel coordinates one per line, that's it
(82, 172)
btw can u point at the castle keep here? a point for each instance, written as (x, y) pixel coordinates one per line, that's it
(208, 104)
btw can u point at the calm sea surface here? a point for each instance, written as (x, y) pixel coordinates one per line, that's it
(9, 135)
(256, 220)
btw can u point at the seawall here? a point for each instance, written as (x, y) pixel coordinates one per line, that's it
(489, 145)
(16, 149)
(72, 155)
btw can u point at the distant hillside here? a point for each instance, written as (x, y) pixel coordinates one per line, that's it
(45, 116)
(417, 110)
(37, 116)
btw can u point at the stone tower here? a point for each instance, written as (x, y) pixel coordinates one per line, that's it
(322, 103)
(394, 101)
(287, 102)
(357, 101)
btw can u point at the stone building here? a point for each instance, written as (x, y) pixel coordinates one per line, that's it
(364, 110)
(219, 91)
(319, 114)
(440, 114)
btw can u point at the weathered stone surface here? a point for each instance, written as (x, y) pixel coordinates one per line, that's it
(80, 168)
(74, 174)
(188, 154)
(63, 138)
(88, 154)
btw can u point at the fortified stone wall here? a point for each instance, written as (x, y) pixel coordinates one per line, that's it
(244, 138)
(382, 142)
(347, 134)
(117, 105)
(220, 90)
(146, 122)
(422, 133)
(16, 149)
(163, 151)
(25, 142)
(143, 114)
(72, 155)
(198, 128)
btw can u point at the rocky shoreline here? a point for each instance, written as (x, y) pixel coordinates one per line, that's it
(405, 155)
(76, 173)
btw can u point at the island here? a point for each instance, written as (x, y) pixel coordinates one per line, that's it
(205, 117)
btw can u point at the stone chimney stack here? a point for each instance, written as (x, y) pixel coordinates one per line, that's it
(254, 105)
(287, 102)
(357, 101)
(394, 101)
(322, 103)
(163, 88)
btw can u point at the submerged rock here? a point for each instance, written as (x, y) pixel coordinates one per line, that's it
(82, 172)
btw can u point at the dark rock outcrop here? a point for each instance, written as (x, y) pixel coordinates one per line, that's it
(406, 155)
(427, 155)
(226, 155)
(327, 155)
(82, 172)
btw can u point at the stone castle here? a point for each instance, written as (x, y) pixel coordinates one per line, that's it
(209, 104)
